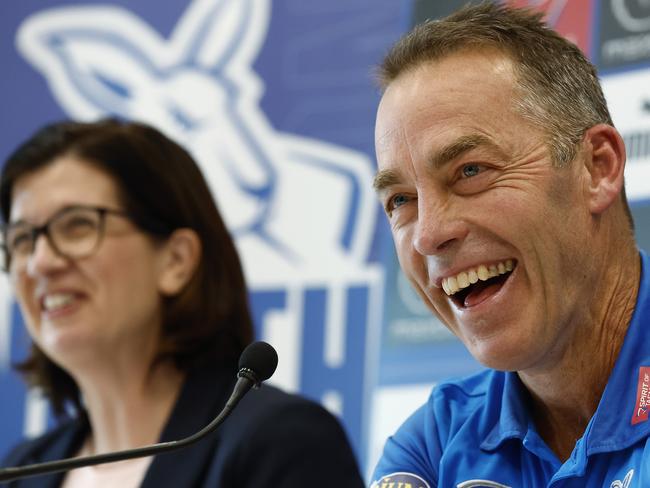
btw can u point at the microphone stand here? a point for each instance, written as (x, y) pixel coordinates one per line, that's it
(246, 379)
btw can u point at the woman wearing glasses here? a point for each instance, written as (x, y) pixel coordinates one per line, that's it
(133, 295)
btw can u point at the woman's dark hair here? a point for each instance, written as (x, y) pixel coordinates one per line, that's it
(162, 189)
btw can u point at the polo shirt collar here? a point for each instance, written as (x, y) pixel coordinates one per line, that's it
(506, 400)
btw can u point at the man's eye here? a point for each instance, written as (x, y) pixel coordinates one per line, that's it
(395, 202)
(398, 201)
(470, 170)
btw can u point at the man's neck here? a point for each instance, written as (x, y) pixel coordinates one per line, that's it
(565, 395)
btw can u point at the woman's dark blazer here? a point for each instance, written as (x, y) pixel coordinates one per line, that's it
(271, 440)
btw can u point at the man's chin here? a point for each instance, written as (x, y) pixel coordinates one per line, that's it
(511, 356)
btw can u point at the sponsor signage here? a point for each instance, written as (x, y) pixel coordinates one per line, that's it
(624, 33)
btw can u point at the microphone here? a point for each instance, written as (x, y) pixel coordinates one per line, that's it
(256, 364)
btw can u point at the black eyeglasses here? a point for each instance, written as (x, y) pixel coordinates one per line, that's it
(74, 232)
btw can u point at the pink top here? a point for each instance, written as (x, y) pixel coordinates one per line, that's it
(124, 474)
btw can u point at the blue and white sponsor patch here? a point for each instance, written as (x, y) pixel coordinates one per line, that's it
(480, 484)
(401, 480)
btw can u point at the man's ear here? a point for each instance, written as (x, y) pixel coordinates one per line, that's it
(180, 257)
(605, 162)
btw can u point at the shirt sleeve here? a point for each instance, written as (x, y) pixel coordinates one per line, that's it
(412, 454)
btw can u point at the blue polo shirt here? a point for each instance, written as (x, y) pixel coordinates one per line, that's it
(477, 432)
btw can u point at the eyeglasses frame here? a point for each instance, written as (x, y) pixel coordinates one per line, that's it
(44, 229)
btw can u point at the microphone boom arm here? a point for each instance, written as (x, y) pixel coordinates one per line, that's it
(260, 355)
(243, 385)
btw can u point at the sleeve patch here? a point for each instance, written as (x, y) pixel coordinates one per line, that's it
(400, 480)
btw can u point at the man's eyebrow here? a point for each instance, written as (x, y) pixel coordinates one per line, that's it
(458, 147)
(385, 178)
(389, 177)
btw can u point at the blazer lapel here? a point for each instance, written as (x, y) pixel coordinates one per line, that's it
(203, 395)
(62, 447)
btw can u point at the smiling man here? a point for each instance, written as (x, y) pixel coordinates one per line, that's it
(501, 175)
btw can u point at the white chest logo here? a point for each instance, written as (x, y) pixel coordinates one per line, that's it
(480, 484)
(626, 481)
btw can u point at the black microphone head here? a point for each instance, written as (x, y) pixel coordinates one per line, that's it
(260, 358)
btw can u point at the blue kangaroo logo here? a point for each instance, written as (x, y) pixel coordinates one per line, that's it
(292, 203)
(302, 211)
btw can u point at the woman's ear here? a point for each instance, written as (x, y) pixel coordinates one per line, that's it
(605, 163)
(181, 254)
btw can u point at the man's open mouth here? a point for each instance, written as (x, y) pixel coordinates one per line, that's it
(474, 285)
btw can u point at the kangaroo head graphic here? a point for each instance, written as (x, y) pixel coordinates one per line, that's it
(104, 61)
(289, 201)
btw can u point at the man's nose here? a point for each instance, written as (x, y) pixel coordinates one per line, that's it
(439, 228)
(43, 258)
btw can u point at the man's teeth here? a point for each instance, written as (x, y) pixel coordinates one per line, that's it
(58, 300)
(470, 276)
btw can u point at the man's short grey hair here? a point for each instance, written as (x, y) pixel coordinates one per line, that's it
(558, 88)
